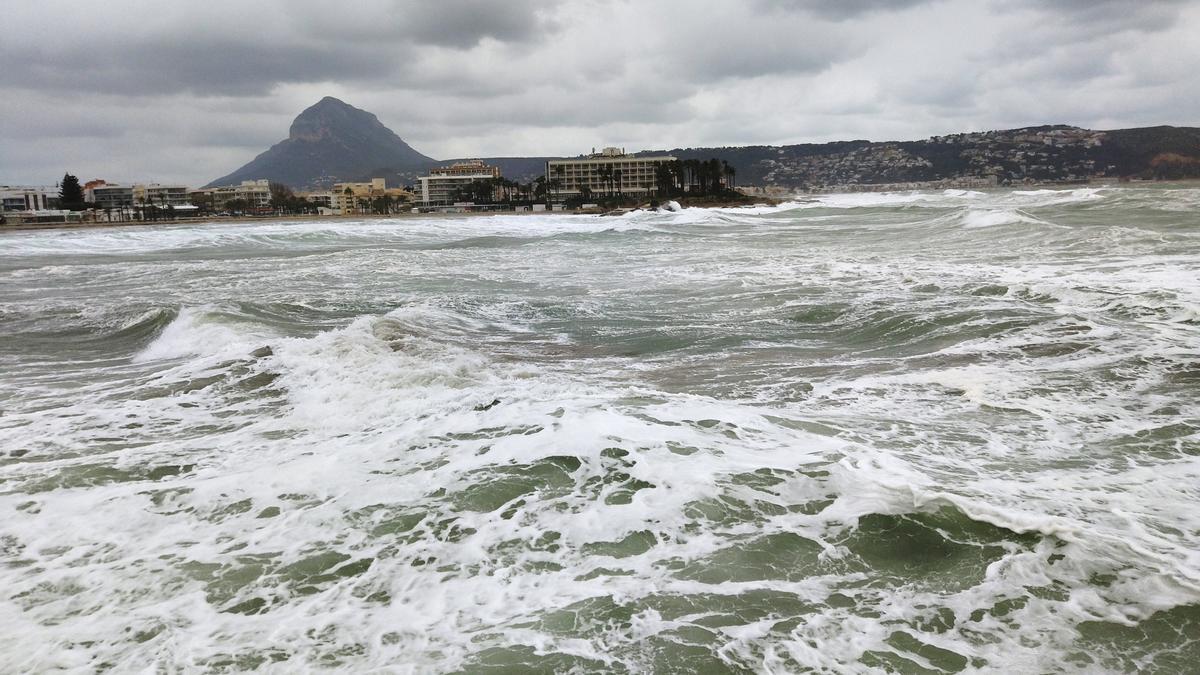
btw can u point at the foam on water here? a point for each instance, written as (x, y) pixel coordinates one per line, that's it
(946, 431)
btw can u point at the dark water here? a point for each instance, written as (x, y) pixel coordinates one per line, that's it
(946, 432)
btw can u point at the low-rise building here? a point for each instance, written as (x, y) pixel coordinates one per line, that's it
(443, 186)
(18, 198)
(322, 200)
(348, 198)
(251, 194)
(610, 171)
(105, 195)
(157, 194)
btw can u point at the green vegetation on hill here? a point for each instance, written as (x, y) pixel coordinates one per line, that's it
(1031, 154)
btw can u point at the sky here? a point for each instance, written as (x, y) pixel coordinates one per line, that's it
(141, 90)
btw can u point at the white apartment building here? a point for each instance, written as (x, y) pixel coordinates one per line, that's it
(629, 175)
(318, 198)
(157, 194)
(109, 196)
(14, 198)
(440, 186)
(256, 193)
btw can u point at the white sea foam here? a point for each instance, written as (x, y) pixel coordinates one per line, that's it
(411, 442)
(202, 331)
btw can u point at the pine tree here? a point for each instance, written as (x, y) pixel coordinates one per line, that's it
(70, 193)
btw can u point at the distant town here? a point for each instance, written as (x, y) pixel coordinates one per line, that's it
(603, 179)
(323, 169)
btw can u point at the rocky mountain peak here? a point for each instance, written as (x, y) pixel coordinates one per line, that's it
(330, 140)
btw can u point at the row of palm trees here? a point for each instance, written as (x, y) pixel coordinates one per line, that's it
(695, 176)
(499, 190)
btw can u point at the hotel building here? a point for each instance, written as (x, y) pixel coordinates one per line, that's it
(630, 175)
(441, 185)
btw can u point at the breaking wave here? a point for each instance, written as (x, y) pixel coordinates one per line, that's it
(950, 431)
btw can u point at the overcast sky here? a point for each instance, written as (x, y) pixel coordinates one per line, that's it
(131, 90)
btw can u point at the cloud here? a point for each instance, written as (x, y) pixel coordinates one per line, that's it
(460, 25)
(188, 91)
(841, 9)
(466, 23)
(160, 65)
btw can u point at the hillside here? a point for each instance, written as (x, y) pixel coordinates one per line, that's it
(333, 141)
(1052, 153)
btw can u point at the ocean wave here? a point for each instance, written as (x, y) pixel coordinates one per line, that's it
(203, 331)
(841, 439)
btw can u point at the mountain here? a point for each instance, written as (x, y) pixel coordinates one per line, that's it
(329, 142)
(333, 141)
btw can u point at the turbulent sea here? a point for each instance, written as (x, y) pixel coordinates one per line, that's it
(900, 432)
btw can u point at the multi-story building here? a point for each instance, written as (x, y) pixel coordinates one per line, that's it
(319, 199)
(103, 195)
(443, 186)
(347, 198)
(610, 171)
(157, 194)
(254, 194)
(13, 198)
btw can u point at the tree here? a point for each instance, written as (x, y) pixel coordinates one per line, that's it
(560, 173)
(604, 173)
(203, 201)
(281, 196)
(70, 193)
(664, 179)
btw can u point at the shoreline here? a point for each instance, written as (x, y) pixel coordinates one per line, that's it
(238, 220)
(768, 198)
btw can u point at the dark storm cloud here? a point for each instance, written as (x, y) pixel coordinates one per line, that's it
(840, 10)
(202, 66)
(1085, 18)
(458, 25)
(466, 23)
(308, 42)
(763, 51)
(1076, 40)
(188, 91)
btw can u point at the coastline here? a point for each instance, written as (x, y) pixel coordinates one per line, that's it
(770, 196)
(238, 220)
(756, 200)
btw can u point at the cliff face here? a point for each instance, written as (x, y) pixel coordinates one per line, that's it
(329, 142)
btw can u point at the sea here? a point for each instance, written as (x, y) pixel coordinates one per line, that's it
(912, 432)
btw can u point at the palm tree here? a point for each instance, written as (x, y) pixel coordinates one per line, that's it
(560, 175)
(606, 175)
